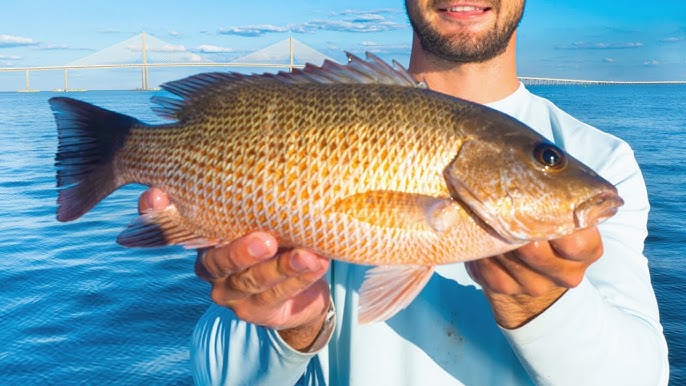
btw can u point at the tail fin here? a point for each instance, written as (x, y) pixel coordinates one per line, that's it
(88, 139)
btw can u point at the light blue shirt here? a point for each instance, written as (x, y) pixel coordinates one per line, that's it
(606, 331)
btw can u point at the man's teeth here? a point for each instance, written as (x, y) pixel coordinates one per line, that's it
(464, 8)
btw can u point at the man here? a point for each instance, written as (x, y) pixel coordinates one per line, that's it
(578, 310)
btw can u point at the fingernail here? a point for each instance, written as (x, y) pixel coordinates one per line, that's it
(149, 201)
(154, 199)
(258, 247)
(300, 263)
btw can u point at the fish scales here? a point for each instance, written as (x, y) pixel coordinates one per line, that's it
(356, 162)
(276, 157)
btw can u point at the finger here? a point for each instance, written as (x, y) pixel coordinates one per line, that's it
(293, 286)
(269, 284)
(267, 274)
(492, 276)
(542, 258)
(300, 309)
(531, 282)
(241, 253)
(582, 245)
(152, 199)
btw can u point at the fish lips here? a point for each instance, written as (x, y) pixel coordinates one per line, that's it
(597, 209)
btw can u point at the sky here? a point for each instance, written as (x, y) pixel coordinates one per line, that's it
(580, 39)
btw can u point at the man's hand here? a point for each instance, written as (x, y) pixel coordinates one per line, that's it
(284, 290)
(523, 283)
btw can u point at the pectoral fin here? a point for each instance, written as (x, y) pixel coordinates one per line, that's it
(160, 228)
(388, 289)
(407, 211)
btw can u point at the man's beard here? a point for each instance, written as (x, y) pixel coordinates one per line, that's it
(463, 47)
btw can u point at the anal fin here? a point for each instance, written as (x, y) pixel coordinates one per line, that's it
(160, 228)
(386, 290)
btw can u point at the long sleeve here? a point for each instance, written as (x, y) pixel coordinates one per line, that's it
(227, 351)
(607, 330)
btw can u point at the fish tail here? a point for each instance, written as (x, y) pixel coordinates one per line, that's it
(88, 140)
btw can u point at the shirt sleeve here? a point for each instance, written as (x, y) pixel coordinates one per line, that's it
(607, 330)
(228, 351)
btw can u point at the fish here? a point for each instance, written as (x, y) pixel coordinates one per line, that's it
(358, 162)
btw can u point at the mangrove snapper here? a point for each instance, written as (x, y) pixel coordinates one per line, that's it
(356, 162)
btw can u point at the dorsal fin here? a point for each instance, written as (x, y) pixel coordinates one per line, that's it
(373, 70)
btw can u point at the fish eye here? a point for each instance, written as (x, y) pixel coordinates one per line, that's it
(550, 156)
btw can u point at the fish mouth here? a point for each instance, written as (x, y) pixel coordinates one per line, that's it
(597, 209)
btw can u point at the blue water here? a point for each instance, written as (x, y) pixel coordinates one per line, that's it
(77, 308)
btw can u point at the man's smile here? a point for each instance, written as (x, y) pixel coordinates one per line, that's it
(464, 11)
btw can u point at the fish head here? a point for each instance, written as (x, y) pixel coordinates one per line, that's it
(526, 188)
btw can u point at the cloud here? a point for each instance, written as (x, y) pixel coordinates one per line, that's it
(56, 47)
(196, 58)
(52, 47)
(162, 48)
(672, 39)
(170, 52)
(345, 21)
(210, 49)
(252, 30)
(9, 60)
(609, 60)
(175, 34)
(599, 46)
(169, 48)
(361, 23)
(380, 11)
(384, 48)
(16, 41)
(651, 62)
(109, 31)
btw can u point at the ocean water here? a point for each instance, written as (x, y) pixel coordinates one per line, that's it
(75, 307)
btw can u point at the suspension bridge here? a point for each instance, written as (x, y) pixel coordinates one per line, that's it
(533, 81)
(146, 52)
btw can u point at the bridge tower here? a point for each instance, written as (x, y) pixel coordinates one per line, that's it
(144, 67)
